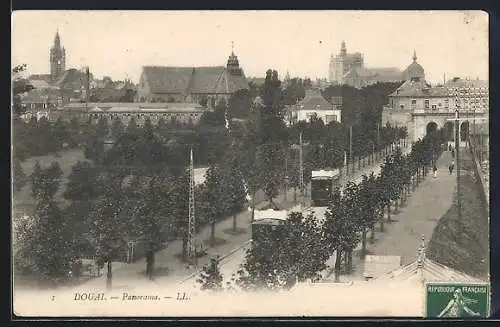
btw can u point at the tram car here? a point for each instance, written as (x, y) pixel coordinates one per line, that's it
(268, 228)
(322, 184)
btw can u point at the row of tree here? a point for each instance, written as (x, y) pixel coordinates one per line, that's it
(307, 242)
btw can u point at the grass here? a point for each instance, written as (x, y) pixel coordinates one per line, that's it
(463, 245)
(23, 202)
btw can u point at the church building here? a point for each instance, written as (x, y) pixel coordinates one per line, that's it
(191, 84)
(349, 69)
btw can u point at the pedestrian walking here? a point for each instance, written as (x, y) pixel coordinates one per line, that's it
(434, 170)
(453, 153)
(451, 166)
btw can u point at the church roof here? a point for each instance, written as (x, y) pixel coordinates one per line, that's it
(39, 84)
(70, 76)
(193, 79)
(42, 77)
(359, 71)
(389, 74)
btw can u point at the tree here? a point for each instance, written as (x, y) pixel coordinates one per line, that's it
(279, 261)
(151, 216)
(132, 127)
(82, 182)
(270, 163)
(45, 182)
(47, 247)
(75, 132)
(102, 127)
(117, 128)
(235, 189)
(387, 186)
(60, 132)
(213, 197)
(351, 227)
(18, 175)
(210, 276)
(20, 85)
(46, 139)
(108, 226)
(303, 250)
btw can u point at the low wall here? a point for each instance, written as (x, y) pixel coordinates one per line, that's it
(483, 184)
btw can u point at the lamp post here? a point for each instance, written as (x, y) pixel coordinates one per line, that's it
(457, 151)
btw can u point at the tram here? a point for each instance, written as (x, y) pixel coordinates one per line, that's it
(323, 182)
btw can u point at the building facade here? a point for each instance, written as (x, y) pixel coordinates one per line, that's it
(349, 69)
(421, 107)
(313, 104)
(191, 84)
(181, 113)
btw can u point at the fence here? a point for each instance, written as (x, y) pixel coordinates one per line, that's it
(481, 171)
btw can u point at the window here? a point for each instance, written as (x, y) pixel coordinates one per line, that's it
(426, 104)
(446, 103)
(413, 102)
(402, 106)
(434, 107)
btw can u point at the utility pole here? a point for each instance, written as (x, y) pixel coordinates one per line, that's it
(350, 148)
(378, 137)
(301, 169)
(191, 246)
(457, 151)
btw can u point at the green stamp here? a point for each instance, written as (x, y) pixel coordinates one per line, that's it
(456, 300)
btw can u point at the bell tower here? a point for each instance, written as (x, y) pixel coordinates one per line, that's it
(233, 65)
(57, 59)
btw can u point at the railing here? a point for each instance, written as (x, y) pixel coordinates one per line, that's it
(481, 171)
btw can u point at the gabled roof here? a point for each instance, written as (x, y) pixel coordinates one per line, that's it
(70, 76)
(314, 101)
(201, 80)
(167, 79)
(204, 79)
(389, 71)
(42, 77)
(39, 84)
(359, 71)
(419, 89)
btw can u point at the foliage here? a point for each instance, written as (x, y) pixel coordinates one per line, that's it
(44, 241)
(210, 277)
(18, 175)
(297, 255)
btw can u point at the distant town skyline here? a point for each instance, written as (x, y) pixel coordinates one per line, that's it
(118, 44)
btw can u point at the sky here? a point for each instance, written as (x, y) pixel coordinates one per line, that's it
(119, 43)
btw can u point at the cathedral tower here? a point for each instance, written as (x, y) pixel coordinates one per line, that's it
(57, 59)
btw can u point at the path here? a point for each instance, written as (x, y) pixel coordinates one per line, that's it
(403, 237)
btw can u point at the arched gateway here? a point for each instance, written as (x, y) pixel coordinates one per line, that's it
(422, 108)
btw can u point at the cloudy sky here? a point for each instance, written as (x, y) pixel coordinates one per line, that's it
(119, 43)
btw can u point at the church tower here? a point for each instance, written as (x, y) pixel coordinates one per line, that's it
(233, 65)
(57, 59)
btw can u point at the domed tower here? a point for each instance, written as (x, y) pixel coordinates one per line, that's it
(414, 71)
(57, 59)
(233, 65)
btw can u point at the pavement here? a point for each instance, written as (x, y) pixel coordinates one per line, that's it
(419, 217)
(172, 271)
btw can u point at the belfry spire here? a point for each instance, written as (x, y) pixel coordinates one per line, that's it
(414, 55)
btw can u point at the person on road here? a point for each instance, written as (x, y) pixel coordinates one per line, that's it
(451, 166)
(434, 170)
